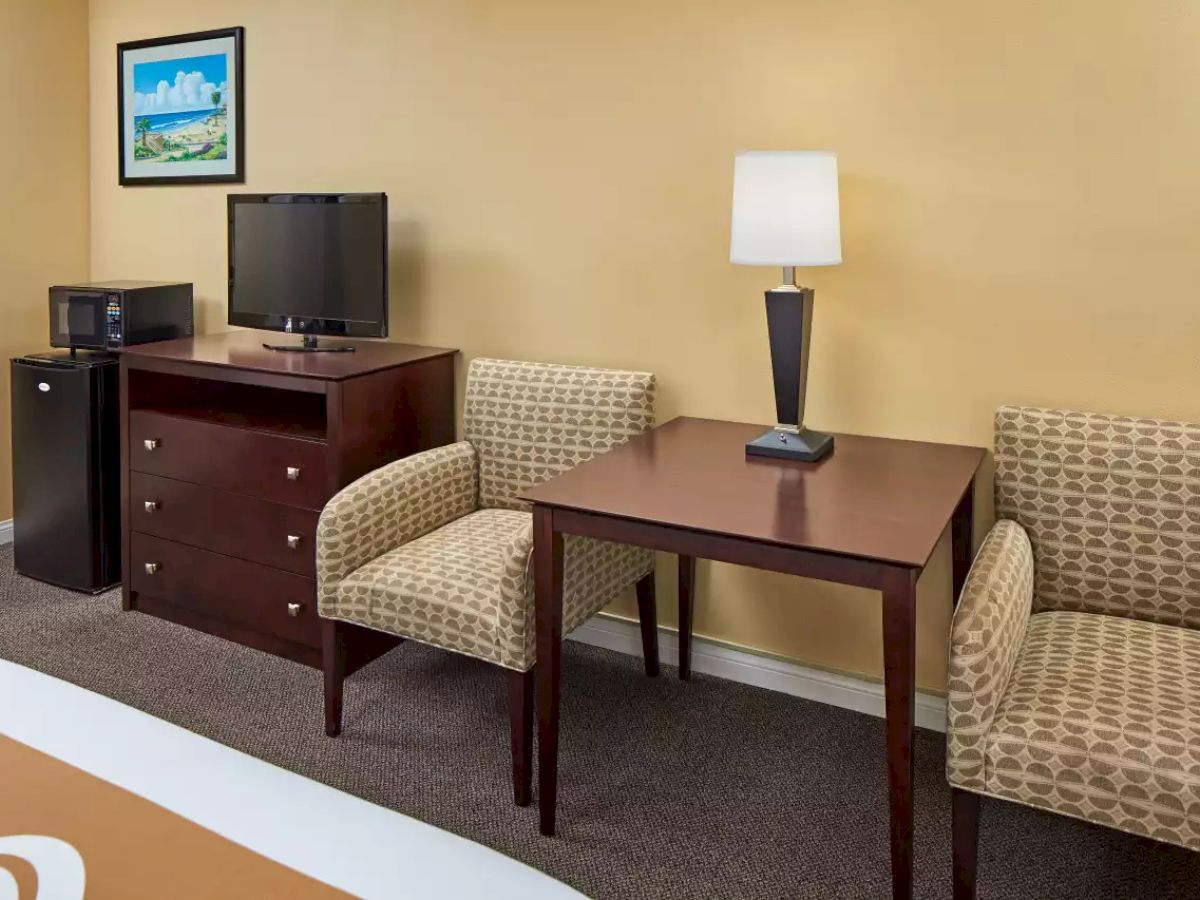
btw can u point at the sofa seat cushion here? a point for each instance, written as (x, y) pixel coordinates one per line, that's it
(1101, 721)
(460, 587)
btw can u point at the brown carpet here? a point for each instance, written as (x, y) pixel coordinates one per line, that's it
(703, 790)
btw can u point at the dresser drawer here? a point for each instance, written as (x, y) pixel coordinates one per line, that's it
(246, 594)
(272, 466)
(233, 524)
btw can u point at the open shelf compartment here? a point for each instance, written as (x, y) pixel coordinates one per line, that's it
(273, 410)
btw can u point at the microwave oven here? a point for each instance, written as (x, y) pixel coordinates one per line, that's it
(109, 315)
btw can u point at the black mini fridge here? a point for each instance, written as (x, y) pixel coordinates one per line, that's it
(67, 469)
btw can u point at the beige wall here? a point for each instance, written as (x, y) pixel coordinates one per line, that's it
(1020, 204)
(43, 178)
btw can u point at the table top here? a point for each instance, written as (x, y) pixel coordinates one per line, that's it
(874, 498)
(244, 350)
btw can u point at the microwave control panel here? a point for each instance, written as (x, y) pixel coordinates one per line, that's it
(112, 319)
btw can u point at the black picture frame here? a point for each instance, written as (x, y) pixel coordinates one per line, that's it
(236, 80)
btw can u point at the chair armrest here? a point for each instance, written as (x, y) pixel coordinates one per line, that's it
(985, 637)
(390, 506)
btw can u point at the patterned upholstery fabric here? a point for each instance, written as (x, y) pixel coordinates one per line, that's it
(1101, 721)
(531, 421)
(461, 587)
(409, 550)
(594, 573)
(468, 586)
(986, 636)
(396, 503)
(1112, 506)
(1090, 706)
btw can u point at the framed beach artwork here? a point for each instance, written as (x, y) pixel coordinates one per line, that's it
(180, 109)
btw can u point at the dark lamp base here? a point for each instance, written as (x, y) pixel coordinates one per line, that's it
(807, 446)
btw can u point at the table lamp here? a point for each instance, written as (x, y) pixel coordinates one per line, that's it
(785, 213)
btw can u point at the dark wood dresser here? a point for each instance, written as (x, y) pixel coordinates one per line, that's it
(228, 453)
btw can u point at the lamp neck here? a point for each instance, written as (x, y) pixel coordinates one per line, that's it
(789, 280)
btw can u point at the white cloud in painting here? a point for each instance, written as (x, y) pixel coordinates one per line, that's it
(189, 92)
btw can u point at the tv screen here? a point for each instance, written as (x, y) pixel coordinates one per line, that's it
(309, 263)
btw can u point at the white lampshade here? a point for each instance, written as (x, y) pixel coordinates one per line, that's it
(785, 209)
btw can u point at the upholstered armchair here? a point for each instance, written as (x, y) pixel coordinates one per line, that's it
(438, 547)
(1074, 680)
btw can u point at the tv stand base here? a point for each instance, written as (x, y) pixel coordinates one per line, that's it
(311, 345)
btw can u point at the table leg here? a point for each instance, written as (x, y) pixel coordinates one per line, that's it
(962, 526)
(687, 596)
(548, 586)
(899, 669)
(648, 623)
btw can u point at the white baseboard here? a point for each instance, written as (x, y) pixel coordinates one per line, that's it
(713, 658)
(6, 532)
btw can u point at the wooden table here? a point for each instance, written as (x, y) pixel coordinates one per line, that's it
(868, 515)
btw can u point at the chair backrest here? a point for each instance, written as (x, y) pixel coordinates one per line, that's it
(530, 421)
(1111, 506)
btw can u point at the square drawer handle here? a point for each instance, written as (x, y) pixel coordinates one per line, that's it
(151, 443)
(151, 568)
(294, 609)
(151, 506)
(293, 473)
(293, 541)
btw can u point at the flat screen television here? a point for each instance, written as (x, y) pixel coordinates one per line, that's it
(309, 264)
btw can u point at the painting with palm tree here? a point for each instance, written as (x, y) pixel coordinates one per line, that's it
(181, 108)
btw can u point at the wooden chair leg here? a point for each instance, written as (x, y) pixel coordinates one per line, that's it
(333, 662)
(687, 592)
(648, 617)
(520, 723)
(966, 842)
